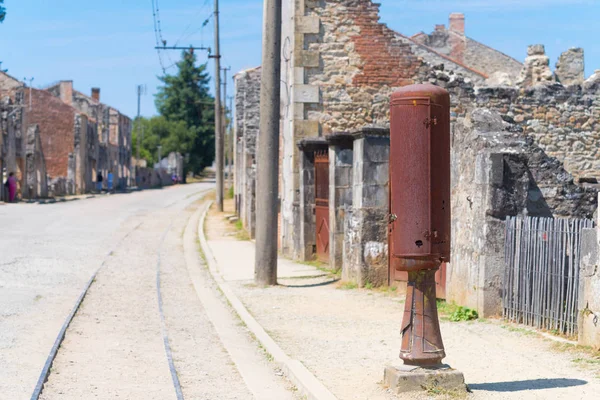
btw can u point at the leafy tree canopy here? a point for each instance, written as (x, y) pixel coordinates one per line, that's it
(173, 136)
(187, 110)
(2, 11)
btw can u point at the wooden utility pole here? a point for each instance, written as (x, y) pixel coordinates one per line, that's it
(218, 122)
(231, 142)
(224, 120)
(267, 176)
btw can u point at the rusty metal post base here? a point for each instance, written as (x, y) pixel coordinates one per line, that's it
(421, 337)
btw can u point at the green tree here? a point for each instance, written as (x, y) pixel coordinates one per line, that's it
(2, 11)
(185, 97)
(173, 136)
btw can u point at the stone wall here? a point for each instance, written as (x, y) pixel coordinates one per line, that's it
(588, 316)
(365, 245)
(339, 66)
(57, 122)
(341, 182)
(570, 67)
(247, 117)
(563, 121)
(151, 178)
(362, 62)
(113, 131)
(498, 171)
(12, 142)
(36, 177)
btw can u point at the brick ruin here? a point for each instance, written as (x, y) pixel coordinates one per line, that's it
(20, 146)
(113, 131)
(58, 139)
(536, 130)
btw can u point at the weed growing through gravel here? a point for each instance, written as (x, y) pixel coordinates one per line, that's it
(516, 329)
(463, 314)
(455, 313)
(576, 349)
(587, 361)
(323, 268)
(242, 234)
(349, 286)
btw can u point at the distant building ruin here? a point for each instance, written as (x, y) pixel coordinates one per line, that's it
(58, 140)
(113, 129)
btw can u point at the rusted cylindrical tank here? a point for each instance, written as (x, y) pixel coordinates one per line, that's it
(419, 177)
(420, 211)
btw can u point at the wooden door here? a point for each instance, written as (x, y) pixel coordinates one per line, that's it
(322, 204)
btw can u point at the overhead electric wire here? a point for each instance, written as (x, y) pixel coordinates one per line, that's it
(157, 38)
(192, 22)
(160, 41)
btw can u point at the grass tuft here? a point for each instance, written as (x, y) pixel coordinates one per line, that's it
(349, 286)
(455, 313)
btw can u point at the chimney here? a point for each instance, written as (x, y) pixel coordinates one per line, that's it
(66, 92)
(457, 23)
(440, 28)
(96, 94)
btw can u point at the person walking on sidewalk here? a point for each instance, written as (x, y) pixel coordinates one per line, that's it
(99, 180)
(11, 185)
(110, 181)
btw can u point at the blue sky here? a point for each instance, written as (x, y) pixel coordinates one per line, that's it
(110, 44)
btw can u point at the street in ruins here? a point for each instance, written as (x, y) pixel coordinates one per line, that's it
(299, 200)
(114, 345)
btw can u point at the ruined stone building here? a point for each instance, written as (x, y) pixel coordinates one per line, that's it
(113, 128)
(61, 135)
(69, 142)
(524, 140)
(20, 145)
(172, 164)
(247, 103)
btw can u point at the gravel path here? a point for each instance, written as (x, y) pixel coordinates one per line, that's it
(346, 337)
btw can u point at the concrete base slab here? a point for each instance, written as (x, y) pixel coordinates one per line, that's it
(407, 378)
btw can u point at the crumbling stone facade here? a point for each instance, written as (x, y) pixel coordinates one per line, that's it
(36, 178)
(570, 67)
(339, 66)
(69, 142)
(172, 164)
(562, 120)
(247, 116)
(12, 145)
(518, 149)
(113, 130)
(498, 171)
(588, 328)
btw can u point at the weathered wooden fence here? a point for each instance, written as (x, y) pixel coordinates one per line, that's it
(541, 281)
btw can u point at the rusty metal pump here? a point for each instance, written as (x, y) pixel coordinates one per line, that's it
(420, 211)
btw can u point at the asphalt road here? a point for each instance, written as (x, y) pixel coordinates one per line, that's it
(47, 255)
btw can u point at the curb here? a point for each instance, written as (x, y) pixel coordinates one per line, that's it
(296, 372)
